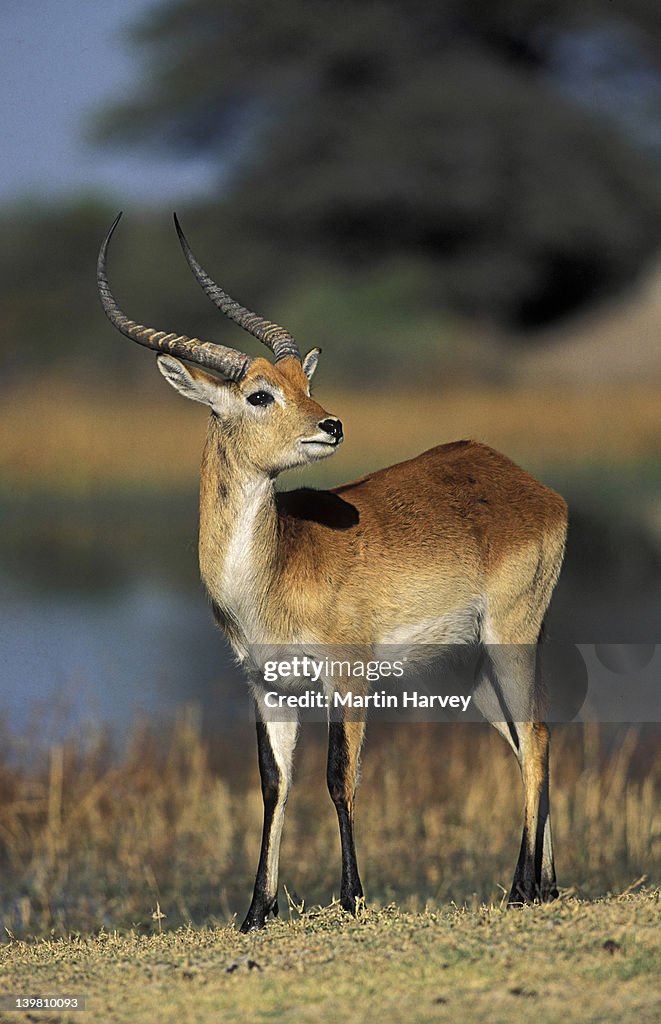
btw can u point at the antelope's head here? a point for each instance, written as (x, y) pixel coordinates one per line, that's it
(264, 407)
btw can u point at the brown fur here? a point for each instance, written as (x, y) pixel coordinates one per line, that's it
(455, 545)
(419, 539)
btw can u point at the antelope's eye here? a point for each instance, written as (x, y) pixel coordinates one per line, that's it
(260, 398)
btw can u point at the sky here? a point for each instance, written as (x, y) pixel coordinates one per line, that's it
(60, 62)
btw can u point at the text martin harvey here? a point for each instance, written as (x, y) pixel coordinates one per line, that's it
(406, 699)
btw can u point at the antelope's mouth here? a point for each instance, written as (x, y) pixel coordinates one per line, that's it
(319, 447)
(322, 442)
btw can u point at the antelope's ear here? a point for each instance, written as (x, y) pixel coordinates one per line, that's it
(196, 384)
(310, 362)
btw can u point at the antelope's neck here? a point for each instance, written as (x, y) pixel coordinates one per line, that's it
(238, 538)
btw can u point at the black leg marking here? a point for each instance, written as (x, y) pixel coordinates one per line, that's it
(344, 742)
(508, 693)
(263, 902)
(534, 875)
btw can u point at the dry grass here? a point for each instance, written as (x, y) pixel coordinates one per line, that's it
(89, 841)
(77, 435)
(568, 962)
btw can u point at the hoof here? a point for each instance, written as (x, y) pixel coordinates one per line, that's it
(257, 915)
(523, 896)
(349, 901)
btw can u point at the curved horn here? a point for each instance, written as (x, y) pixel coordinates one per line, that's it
(228, 361)
(276, 338)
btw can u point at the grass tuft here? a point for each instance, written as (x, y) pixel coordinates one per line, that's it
(168, 833)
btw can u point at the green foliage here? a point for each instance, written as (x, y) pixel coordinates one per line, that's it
(48, 294)
(360, 132)
(52, 313)
(46, 272)
(389, 173)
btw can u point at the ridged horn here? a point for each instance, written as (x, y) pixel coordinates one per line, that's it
(274, 337)
(228, 361)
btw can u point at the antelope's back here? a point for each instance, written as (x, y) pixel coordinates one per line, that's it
(464, 493)
(428, 539)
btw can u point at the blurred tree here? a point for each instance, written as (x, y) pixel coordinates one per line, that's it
(48, 297)
(45, 277)
(439, 134)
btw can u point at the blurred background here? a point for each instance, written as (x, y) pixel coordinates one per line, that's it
(460, 203)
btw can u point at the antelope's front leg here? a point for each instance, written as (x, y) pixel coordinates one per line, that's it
(276, 741)
(344, 742)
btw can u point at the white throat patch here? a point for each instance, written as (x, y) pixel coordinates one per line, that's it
(238, 594)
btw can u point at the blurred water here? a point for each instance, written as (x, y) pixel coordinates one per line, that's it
(88, 659)
(103, 617)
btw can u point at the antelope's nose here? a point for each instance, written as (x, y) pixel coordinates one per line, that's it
(333, 427)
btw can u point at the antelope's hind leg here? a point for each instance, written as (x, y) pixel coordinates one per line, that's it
(276, 741)
(508, 688)
(344, 742)
(534, 875)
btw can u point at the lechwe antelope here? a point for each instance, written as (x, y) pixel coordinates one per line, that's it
(457, 545)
